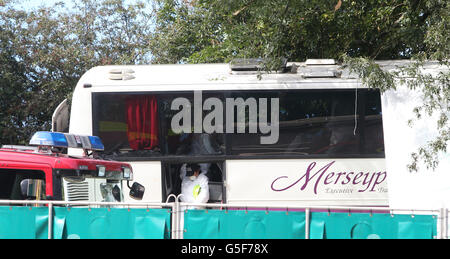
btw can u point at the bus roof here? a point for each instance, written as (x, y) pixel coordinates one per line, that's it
(188, 77)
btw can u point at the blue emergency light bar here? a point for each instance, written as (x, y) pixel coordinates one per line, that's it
(96, 143)
(64, 140)
(45, 138)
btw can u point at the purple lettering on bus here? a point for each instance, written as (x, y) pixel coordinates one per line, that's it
(368, 180)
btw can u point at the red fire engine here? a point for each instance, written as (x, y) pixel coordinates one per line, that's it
(42, 171)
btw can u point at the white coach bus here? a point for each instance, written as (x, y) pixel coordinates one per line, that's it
(309, 134)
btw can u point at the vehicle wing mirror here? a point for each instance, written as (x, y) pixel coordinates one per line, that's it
(137, 191)
(32, 188)
(116, 193)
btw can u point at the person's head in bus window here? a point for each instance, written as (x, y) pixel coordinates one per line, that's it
(193, 171)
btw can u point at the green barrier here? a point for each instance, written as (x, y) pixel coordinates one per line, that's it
(371, 226)
(23, 222)
(84, 223)
(233, 224)
(111, 223)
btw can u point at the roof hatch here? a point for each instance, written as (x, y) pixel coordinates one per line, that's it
(121, 74)
(319, 68)
(253, 64)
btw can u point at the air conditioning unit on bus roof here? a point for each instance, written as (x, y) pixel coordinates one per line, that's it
(312, 68)
(319, 68)
(253, 64)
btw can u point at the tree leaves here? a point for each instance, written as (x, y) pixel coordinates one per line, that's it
(46, 50)
(431, 20)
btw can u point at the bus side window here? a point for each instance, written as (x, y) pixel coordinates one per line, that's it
(127, 124)
(187, 143)
(172, 181)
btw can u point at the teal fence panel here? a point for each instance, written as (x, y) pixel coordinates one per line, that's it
(88, 223)
(111, 223)
(213, 224)
(23, 222)
(84, 223)
(325, 225)
(234, 224)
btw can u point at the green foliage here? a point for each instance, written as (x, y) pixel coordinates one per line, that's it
(435, 89)
(14, 87)
(370, 73)
(46, 50)
(216, 31)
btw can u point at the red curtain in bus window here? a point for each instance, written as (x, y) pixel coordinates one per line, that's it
(142, 122)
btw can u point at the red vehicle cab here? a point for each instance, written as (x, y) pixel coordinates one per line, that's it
(43, 172)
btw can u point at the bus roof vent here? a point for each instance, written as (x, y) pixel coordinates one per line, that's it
(121, 74)
(318, 62)
(320, 68)
(253, 64)
(247, 64)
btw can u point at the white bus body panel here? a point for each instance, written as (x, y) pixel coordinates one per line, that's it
(149, 175)
(307, 182)
(425, 189)
(60, 117)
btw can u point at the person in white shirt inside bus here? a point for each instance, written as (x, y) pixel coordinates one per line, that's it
(194, 186)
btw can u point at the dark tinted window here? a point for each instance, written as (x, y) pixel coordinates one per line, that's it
(139, 125)
(318, 123)
(188, 143)
(10, 180)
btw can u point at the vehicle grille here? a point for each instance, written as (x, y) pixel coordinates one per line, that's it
(77, 191)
